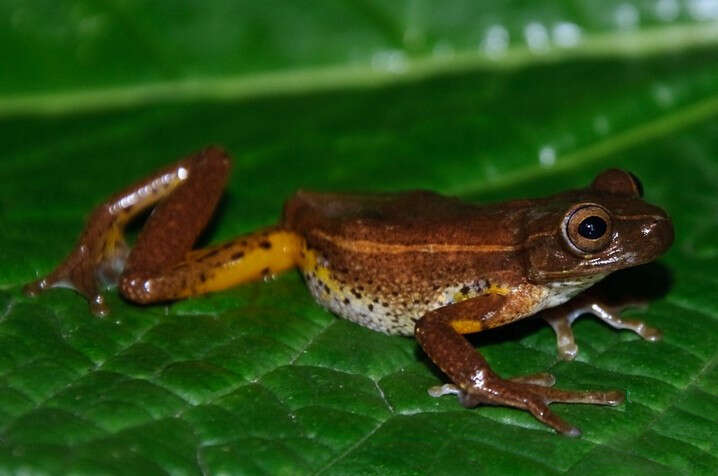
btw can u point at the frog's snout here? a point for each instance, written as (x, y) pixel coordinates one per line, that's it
(659, 234)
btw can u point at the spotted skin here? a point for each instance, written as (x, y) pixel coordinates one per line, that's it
(397, 313)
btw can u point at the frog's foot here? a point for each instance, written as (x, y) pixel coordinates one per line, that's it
(521, 392)
(562, 317)
(95, 262)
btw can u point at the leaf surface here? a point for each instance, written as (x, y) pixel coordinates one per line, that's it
(260, 379)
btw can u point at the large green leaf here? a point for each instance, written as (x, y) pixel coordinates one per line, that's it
(376, 96)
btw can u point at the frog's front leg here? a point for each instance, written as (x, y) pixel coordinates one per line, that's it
(561, 318)
(162, 265)
(439, 332)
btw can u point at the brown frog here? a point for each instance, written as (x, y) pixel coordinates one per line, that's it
(414, 263)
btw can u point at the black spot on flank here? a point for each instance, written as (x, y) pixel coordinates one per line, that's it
(385, 304)
(238, 255)
(265, 271)
(210, 254)
(361, 288)
(375, 300)
(326, 289)
(265, 244)
(371, 307)
(416, 301)
(465, 290)
(346, 300)
(395, 293)
(356, 294)
(202, 277)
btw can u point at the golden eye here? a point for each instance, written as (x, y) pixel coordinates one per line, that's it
(588, 228)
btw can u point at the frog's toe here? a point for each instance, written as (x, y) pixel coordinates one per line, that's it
(78, 275)
(540, 410)
(542, 379)
(554, 395)
(561, 325)
(611, 315)
(648, 333)
(446, 389)
(466, 400)
(651, 334)
(98, 306)
(536, 399)
(34, 288)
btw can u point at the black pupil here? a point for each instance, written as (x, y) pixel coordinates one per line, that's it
(592, 228)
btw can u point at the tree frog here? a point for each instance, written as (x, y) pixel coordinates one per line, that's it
(414, 263)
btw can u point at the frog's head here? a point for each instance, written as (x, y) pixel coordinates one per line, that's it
(594, 231)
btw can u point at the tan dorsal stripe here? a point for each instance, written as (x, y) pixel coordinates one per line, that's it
(373, 247)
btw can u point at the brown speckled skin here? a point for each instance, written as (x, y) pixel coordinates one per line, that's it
(405, 254)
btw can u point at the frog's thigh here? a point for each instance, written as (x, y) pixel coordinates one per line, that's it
(243, 259)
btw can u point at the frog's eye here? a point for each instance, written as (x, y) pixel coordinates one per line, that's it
(587, 228)
(618, 182)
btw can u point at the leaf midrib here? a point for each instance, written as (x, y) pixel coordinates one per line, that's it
(634, 44)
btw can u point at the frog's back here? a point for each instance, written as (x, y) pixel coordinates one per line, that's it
(411, 218)
(385, 260)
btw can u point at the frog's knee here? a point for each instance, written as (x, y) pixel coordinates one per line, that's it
(424, 326)
(137, 287)
(214, 159)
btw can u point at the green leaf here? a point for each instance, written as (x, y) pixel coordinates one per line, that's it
(486, 102)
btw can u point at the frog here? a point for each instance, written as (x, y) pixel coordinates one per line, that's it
(413, 263)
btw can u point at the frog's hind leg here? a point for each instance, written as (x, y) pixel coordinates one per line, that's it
(161, 265)
(101, 253)
(214, 268)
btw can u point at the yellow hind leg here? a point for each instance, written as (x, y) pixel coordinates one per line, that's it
(218, 267)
